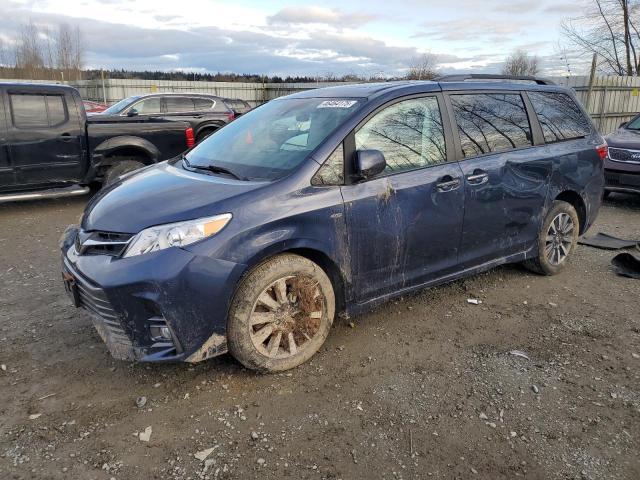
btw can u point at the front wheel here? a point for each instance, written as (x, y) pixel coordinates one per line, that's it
(281, 314)
(557, 239)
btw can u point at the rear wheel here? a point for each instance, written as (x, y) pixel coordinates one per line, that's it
(281, 314)
(120, 167)
(557, 239)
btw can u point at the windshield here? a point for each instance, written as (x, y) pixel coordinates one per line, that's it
(634, 124)
(272, 140)
(118, 107)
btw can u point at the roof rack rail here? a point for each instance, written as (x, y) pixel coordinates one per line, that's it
(484, 76)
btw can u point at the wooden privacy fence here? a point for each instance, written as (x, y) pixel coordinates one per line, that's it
(610, 100)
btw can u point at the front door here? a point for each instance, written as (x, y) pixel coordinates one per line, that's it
(504, 180)
(46, 138)
(404, 226)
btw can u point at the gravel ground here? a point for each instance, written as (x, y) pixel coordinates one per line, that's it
(423, 387)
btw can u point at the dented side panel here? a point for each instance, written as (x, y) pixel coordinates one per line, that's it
(503, 214)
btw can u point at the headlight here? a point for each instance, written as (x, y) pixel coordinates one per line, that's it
(175, 234)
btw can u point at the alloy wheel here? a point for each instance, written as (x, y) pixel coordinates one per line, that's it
(287, 316)
(559, 238)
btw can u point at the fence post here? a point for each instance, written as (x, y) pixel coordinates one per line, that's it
(592, 77)
(602, 103)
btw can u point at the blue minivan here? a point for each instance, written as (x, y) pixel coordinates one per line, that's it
(329, 202)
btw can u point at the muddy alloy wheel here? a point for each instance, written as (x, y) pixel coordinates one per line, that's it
(286, 316)
(281, 314)
(559, 239)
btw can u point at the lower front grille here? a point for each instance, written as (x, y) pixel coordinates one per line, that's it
(105, 319)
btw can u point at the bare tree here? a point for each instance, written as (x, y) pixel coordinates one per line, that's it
(520, 63)
(608, 28)
(29, 52)
(423, 68)
(69, 56)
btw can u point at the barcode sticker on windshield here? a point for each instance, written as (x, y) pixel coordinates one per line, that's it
(337, 104)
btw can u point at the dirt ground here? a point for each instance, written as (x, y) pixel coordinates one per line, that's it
(424, 387)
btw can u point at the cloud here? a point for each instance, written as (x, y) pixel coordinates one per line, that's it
(319, 15)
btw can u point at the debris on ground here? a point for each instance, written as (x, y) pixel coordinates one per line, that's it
(607, 242)
(626, 265)
(519, 353)
(474, 301)
(146, 435)
(203, 454)
(33, 416)
(141, 402)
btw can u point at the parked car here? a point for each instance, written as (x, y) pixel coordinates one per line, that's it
(239, 107)
(205, 113)
(622, 166)
(91, 108)
(332, 200)
(49, 147)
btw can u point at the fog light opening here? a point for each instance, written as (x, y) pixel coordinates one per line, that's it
(159, 331)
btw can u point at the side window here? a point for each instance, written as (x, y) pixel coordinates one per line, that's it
(37, 111)
(29, 111)
(559, 116)
(332, 170)
(56, 109)
(408, 133)
(148, 106)
(491, 122)
(179, 104)
(202, 104)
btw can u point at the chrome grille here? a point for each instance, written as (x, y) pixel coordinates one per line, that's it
(624, 155)
(101, 243)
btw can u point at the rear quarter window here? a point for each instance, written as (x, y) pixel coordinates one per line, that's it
(559, 116)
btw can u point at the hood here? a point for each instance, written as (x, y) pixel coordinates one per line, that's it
(624, 138)
(158, 195)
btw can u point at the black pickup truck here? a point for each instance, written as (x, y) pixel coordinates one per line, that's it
(49, 148)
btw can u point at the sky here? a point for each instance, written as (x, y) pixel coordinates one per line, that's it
(281, 37)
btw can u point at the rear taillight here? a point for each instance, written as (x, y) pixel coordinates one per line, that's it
(191, 140)
(231, 115)
(603, 151)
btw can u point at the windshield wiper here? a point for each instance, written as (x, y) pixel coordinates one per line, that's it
(213, 169)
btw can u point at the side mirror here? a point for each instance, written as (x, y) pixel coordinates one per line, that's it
(369, 163)
(132, 113)
(623, 124)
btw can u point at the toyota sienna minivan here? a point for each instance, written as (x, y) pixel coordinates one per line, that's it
(328, 202)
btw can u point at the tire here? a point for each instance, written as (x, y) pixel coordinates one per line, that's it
(554, 250)
(259, 329)
(120, 167)
(203, 135)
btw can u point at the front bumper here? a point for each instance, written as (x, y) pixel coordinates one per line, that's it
(622, 176)
(622, 181)
(188, 293)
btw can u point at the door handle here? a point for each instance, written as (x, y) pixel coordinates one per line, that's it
(66, 137)
(478, 177)
(448, 183)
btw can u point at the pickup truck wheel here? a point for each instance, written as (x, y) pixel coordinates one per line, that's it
(557, 239)
(120, 167)
(281, 314)
(202, 135)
